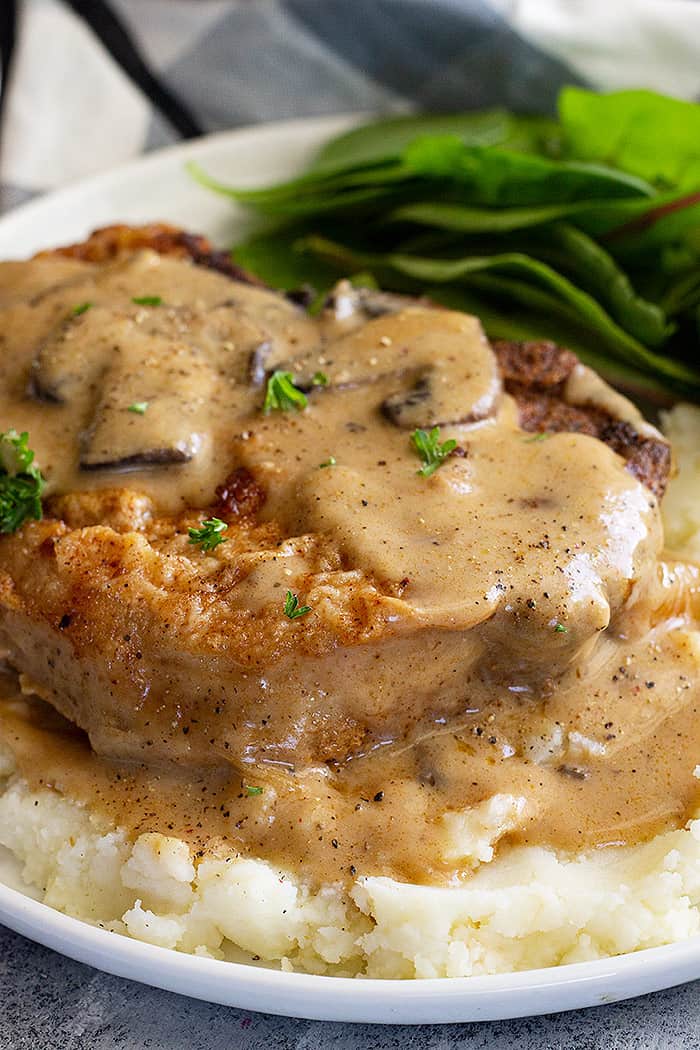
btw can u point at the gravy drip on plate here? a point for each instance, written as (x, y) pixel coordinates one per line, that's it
(518, 632)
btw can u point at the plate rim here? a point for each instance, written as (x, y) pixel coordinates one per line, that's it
(318, 127)
(352, 999)
(295, 994)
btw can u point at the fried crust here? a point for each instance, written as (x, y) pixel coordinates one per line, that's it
(109, 242)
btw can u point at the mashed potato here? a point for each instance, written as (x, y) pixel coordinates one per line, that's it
(527, 908)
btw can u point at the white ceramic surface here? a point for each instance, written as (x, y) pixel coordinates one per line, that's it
(158, 187)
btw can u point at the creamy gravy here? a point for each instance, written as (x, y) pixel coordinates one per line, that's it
(528, 640)
(69, 378)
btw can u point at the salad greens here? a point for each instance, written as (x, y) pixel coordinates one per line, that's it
(649, 135)
(584, 229)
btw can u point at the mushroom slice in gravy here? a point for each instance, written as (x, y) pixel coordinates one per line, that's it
(445, 370)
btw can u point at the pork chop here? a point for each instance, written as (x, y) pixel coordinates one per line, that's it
(428, 587)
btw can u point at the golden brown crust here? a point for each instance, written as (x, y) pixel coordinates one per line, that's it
(111, 241)
(115, 620)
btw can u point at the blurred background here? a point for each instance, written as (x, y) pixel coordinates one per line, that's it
(88, 84)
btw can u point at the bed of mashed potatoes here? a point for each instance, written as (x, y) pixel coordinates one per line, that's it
(525, 909)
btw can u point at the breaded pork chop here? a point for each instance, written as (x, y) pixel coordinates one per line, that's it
(363, 583)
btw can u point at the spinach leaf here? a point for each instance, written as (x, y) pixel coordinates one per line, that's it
(573, 252)
(589, 225)
(308, 193)
(644, 133)
(682, 293)
(278, 258)
(598, 217)
(473, 219)
(567, 249)
(506, 178)
(385, 140)
(669, 222)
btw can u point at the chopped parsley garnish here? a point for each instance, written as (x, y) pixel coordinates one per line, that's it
(330, 462)
(209, 535)
(281, 394)
(292, 609)
(427, 445)
(320, 379)
(250, 791)
(561, 629)
(542, 436)
(147, 300)
(80, 309)
(21, 482)
(139, 407)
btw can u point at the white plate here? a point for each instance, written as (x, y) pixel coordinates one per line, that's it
(157, 187)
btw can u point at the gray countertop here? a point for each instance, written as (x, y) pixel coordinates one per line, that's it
(47, 1001)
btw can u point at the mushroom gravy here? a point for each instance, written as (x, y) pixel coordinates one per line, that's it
(505, 625)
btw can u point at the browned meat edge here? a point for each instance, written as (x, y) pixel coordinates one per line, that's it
(534, 373)
(112, 241)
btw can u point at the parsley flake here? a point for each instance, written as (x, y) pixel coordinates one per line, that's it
(21, 482)
(251, 791)
(209, 535)
(320, 379)
(81, 309)
(147, 300)
(561, 629)
(281, 394)
(330, 462)
(427, 445)
(542, 436)
(139, 407)
(292, 609)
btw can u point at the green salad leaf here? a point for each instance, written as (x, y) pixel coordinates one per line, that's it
(506, 178)
(383, 141)
(584, 228)
(641, 132)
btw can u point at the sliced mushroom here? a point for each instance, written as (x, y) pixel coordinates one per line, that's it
(445, 369)
(106, 359)
(103, 362)
(93, 459)
(400, 405)
(75, 355)
(257, 369)
(37, 392)
(177, 385)
(345, 302)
